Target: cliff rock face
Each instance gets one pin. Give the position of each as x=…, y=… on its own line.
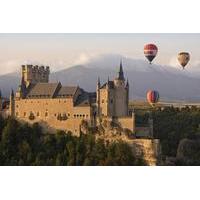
x=147, y=150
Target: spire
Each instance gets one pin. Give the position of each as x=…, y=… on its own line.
x=0, y=94
x=98, y=83
x=98, y=80
x=12, y=93
x=127, y=83
x=108, y=79
x=121, y=73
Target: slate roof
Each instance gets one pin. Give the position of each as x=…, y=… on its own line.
x=66, y=91
x=86, y=98
x=56, y=90
x=109, y=83
x=42, y=90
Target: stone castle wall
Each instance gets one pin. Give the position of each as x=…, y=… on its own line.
x=127, y=123
x=50, y=110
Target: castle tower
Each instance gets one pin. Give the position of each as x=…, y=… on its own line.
x=127, y=92
x=98, y=96
x=1, y=102
x=121, y=94
x=34, y=74
x=21, y=89
x=12, y=104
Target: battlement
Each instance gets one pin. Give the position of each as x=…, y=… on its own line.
x=36, y=68
x=35, y=74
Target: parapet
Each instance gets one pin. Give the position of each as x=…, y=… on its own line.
x=35, y=68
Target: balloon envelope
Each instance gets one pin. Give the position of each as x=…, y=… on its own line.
x=152, y=96
x=183, y=58
x=150, y=51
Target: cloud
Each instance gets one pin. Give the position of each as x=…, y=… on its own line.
x=84, y=58
x=174, y=62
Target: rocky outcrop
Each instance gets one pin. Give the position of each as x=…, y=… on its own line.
x=146, y=150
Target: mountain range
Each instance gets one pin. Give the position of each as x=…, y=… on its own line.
x=172, y=83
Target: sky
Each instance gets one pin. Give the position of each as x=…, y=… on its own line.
x=65, y=50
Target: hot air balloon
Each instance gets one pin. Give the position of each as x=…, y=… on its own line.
x=150, y=51
x=152, y=97
x=183, y=58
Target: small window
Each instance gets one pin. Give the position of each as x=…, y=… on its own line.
x=68, y=114
x=17, y=114
x=46, y=114
x=74, y=116
x=55, y=114
x=38, y=114
x=24, y=114
x=102, y=101
x=111, y=101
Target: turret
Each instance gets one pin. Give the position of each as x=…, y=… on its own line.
x=127, y=84
x=98, y=84
x=107, y=85
x=21, y=89
x=127, y=93
x=121, y=93
x=120, y=80
x=98, y=96
x=12, y=104
x=121, y=73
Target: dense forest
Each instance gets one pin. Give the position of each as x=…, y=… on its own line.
x=179, y=133
x=177, y=129
x=22, y=144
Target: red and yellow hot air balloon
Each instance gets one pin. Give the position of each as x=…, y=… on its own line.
x=150, y=51
x=183, y=58
x=152, y=97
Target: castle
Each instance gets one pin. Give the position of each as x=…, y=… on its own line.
x=66, y=107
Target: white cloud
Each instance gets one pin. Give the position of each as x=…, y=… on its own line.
x=84, y=58
x=174, y=62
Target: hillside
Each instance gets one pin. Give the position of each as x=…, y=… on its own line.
x=172, y=83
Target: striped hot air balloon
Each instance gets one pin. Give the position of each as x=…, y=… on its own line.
x=150, y=51
x=152, y=97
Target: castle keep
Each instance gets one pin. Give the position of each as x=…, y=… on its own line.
x=66, y=107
